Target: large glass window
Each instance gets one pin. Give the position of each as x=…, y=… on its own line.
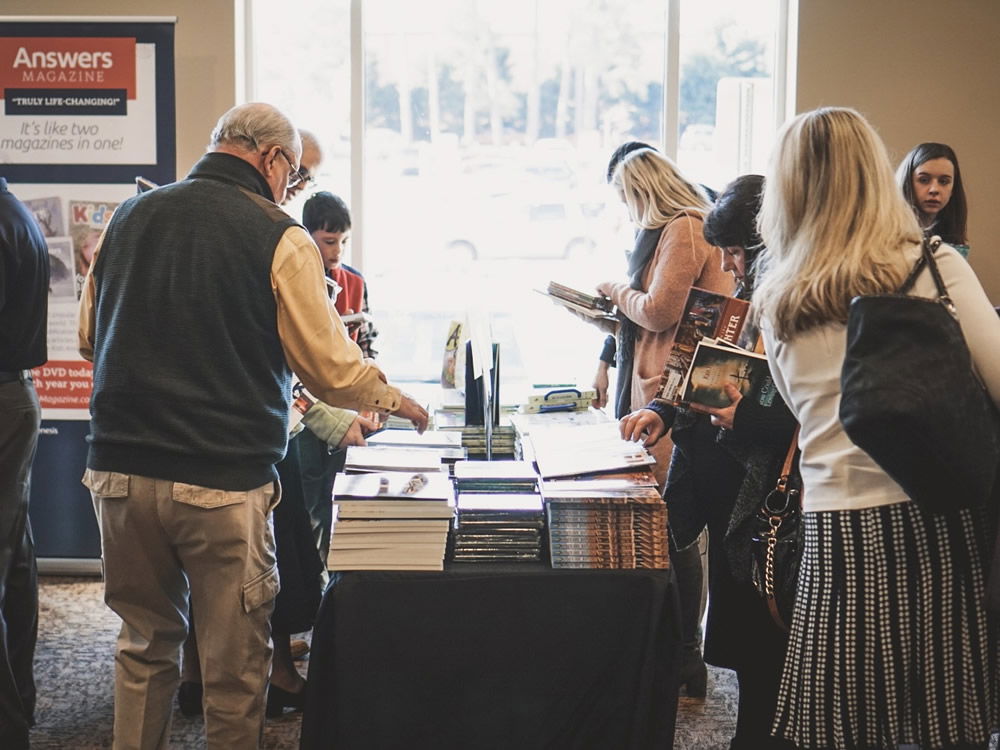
x=487, y=129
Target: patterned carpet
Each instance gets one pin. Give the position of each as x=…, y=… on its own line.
x=74, y=671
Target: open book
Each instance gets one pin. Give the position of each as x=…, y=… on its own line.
x=706, y=315
x=717, y=364
x=594, y=306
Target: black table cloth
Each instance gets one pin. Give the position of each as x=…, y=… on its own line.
x=494, y=656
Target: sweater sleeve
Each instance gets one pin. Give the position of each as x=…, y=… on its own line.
x=609, y=350
x=976, y=315
x=328, y=423
x=316, y=344
x=665, y=410
x=678, y=262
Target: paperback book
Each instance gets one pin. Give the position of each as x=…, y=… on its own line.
x=706, y=315
x=716, y=365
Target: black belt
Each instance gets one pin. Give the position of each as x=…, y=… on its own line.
x=9, y=376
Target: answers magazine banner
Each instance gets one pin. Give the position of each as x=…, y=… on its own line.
x=88, y=105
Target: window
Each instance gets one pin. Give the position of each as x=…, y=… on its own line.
x=486, y=132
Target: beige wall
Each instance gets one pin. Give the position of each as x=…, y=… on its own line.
x=204, y=49
x=920, y=70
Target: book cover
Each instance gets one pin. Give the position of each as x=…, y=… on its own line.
x=389, y=485
x=716, y=365
x=48, y=214
x=706, y=315
x=87, y=220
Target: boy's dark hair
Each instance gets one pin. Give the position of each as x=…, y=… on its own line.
x=621, y=152
x=327, y=212
x=732, y=222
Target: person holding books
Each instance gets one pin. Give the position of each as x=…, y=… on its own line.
x=716, y=481
x=890, y=643
x=931, y=182
x=669, y=257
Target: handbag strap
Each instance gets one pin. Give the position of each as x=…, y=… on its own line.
x=926, y=259
x=786, y=468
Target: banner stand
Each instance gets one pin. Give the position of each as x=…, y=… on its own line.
x=88, y=105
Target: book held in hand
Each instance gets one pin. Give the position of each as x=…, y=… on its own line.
x=706, y=315
x=715, y=365
x=592, y=305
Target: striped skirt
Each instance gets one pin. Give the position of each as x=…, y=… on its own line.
x=889, y=640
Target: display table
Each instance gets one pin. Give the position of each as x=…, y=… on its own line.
x=494, y=656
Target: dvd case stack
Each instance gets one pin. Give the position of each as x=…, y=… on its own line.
x=391, y=521
x=498, y=527
x=501, y=477
x=612, y=523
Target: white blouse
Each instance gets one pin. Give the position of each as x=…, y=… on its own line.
x=836, y=474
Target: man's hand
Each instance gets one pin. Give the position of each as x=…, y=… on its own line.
x=601, y=382
x=725, y=416
x=643, y=426
x=355, y=434
x=410, y=409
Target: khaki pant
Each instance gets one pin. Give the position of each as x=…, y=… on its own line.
x=164, y=542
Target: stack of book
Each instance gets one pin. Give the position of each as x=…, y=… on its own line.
x=592, y=305
x=369, y=458
x=413, y=439
x=498, y=528
x=510, y=477
x=619, y=522
x=391, y=521
x=474, y=441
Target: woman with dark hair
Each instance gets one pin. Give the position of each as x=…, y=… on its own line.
x=717, y=480
x=931, y=181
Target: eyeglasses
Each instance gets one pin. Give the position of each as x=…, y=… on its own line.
x=295, y=176
x=306, y=175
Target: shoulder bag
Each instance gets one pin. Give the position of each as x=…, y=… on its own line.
x=910, y=397
x=776, y=542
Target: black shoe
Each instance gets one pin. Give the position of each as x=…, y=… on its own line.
x=189, y=696
x=693, y=673
x=278, y=700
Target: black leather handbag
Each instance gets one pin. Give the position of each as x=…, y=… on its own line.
x=776, y=542
x=910, y=397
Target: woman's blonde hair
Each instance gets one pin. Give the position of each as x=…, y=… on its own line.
x=655, y=191
x=834, y=222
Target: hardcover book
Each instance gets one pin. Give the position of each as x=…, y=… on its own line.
x=592, y=305
x=706, y=315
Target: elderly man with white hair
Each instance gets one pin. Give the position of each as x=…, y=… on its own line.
x=202, y=298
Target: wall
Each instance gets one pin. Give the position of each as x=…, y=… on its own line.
x=920, y=70
x=205, y=56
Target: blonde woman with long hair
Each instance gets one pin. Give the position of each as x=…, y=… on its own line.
x=669, y=257
x=889, y=640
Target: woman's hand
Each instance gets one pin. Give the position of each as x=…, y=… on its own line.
x=601, y=382
x=725, y=416
x=643, y=426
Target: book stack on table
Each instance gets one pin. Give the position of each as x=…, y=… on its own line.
x=369, y=458
x=614, y=522
x=391, y=521
x=498, y=527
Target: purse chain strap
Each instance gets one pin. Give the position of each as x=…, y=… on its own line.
x=775, y=519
